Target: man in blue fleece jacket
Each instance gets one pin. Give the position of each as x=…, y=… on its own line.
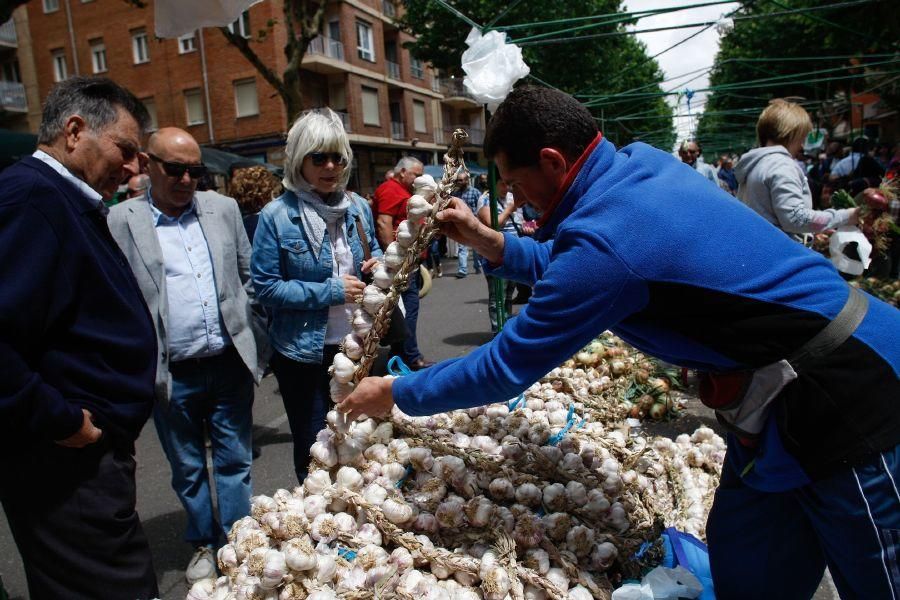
x=626, y=244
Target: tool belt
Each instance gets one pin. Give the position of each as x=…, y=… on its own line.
x=742, y=399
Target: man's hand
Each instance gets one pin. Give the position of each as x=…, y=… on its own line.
x=459, y=223
x=353, y=288
x=373, y=397
x=88, y=434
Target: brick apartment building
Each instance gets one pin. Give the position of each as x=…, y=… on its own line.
x=391, y=103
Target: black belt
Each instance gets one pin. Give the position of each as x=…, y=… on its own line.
x=186, y=363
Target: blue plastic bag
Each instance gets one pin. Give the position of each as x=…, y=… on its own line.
x=689, y=552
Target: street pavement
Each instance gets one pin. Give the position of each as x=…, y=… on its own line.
x=453, y=320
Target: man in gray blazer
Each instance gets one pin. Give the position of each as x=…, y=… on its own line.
x=190, y=255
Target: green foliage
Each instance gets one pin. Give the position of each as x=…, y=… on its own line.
x=760, y=49
x=581, y=67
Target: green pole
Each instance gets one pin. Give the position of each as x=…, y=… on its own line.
x=497, y=284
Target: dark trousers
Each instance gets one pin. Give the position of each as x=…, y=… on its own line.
x=304, y=391
x=411, y=304
x=72, y=514
x=776, y=545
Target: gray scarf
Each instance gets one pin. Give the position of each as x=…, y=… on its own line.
x=316, y=214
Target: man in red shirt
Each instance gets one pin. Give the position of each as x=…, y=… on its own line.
x=390, y=207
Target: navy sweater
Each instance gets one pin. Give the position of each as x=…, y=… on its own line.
x=681, y=270
x=74, y=329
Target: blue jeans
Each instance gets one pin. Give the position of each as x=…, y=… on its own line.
x=304, y=391
x=411, y=303
x=776, y=545
x=464, y=260
x=216, y=392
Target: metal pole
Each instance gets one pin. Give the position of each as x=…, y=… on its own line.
x=209, y=117
x=497, y=284
x=72, y=38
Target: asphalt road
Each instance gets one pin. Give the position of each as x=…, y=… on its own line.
x=453, y=320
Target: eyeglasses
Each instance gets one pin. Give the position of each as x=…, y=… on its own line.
x=320, y=158
x=176, y=169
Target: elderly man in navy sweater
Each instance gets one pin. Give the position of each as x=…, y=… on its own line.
x=802, y=368
x=77, y=352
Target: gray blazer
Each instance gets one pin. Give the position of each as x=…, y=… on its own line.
x=131, y=224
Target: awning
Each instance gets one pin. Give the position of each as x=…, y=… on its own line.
x=223, y=163
x=15, y=144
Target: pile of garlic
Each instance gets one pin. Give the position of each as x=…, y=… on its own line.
x=537, y=498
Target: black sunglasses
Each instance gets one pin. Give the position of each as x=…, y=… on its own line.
x=175, y=169
x=320, y=158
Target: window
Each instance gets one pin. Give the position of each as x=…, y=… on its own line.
x=416, y=68
x=245, y=100
x=370, y=106
x=10, y=71
x=241, y=27
x=98, y=57
x=187, y=43
x=365, y=44
x=60, y=71
x=193, y=103
x=419, y=116
x=51, y=6
x=150, y=105
x=139, y=47
x=334, y=30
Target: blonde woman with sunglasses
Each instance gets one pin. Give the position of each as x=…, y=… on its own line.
x=308, y=265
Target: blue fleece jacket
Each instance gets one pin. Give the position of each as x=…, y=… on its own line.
x=643, y=246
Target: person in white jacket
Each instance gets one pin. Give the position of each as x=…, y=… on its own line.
x=770, y=181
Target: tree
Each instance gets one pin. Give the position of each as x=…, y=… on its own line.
x=587, y=68
x=765, y=57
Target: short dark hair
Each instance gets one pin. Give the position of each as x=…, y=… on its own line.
x=535, y=117
x=95, y=99
x=860, y=145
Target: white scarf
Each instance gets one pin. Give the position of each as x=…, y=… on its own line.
x=316, y=213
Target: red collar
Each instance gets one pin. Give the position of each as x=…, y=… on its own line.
x=567, y=182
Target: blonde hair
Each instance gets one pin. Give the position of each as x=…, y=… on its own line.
x=317, y=130
x=782, y=122
x=253, y=187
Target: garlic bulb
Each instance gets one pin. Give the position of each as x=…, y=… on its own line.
x=417, y=208
x=372, y=299
x=323, y=528
x=425, y=186
x=338, y=391
x=397, y=511
x=394, y=256
x=381, y=277
x=317, y=482
x=352, y=346
x=348, y=478
x=361, y=323
x=406, y=233
x=342, y=369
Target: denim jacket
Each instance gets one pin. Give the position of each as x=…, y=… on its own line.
x=295, y=287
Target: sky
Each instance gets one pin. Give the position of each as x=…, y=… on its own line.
x=698, y=53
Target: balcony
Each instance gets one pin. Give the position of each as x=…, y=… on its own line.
x=398, y=132
x=393, y=70
x=321, y=55
x=417, y=71
x=389, y=9
x=12, y=97
x=345, y=119
x=436, y=84
x=8, y=36
x=456, y=94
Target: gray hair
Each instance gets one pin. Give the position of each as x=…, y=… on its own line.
x=407, y=163
x=94, y=99
x=319, y=130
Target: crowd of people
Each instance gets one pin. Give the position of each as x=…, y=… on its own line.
x=172, y=304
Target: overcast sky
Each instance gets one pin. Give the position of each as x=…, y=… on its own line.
x=697, y=53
